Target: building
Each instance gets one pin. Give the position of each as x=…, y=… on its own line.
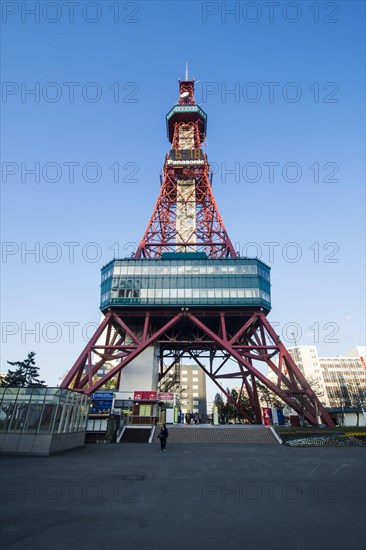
x=338, y=381
x=188, y=382
x=41, y=421
x=306, y=358
x=193, y=390
x=357, y=351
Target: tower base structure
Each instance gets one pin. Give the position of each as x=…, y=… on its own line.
x=226, y=343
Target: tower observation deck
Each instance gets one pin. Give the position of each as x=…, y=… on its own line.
x=186, y=293
x=186, y=279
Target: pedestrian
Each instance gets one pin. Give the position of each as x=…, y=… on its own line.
x=163, y=435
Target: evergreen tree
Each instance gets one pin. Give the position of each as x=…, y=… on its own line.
x=13, y=378
x=218, y=401
x=230, y=409
x=25, y=374
x=243, y=403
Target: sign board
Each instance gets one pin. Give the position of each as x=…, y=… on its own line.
x=169, y=416
x=102, y=404
x=185, y=157
x=281, y=417
x=103, y=395
x=274, y=416
x=123, y=403
x=267, y=421
x=166, y=396
x=145, y=396
x=215, y=418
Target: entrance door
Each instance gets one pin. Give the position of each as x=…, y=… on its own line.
x=145, y=410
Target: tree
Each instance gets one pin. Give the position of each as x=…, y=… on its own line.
x=25, y=375
x=242, y=404
x=228, y=411
x=302, y=399
x=268, y=397
x=356, y=401
x=111, y=384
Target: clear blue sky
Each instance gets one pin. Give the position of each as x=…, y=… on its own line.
x=318, y=59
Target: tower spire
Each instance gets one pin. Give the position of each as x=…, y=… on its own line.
x=185, y=217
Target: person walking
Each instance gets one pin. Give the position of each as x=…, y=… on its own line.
x=163, y=435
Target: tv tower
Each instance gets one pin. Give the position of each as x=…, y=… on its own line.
x=186, y=293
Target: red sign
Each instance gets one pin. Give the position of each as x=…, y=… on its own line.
x=267, y=421
x=166, y=396
x=145, y=396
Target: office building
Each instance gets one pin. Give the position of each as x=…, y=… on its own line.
x=338, y=381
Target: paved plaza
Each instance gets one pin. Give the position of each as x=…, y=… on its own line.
x=195, y=497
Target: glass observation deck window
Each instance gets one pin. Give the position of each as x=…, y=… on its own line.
x=179, y=279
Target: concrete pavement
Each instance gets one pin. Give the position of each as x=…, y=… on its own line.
x=194, y=497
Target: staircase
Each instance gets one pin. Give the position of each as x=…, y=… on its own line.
x=136, y=435
x=219, y=435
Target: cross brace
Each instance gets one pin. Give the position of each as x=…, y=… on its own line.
x=246, y=337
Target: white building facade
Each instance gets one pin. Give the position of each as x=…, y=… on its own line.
x=193, y=390
x=338, y=381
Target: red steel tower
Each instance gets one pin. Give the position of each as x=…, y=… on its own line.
x=186, y=293
x=185, y=216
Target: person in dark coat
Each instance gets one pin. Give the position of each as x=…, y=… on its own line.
x=163, y=435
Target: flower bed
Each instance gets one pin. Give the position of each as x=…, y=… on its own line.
x=359, y=435
x=341, y=440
